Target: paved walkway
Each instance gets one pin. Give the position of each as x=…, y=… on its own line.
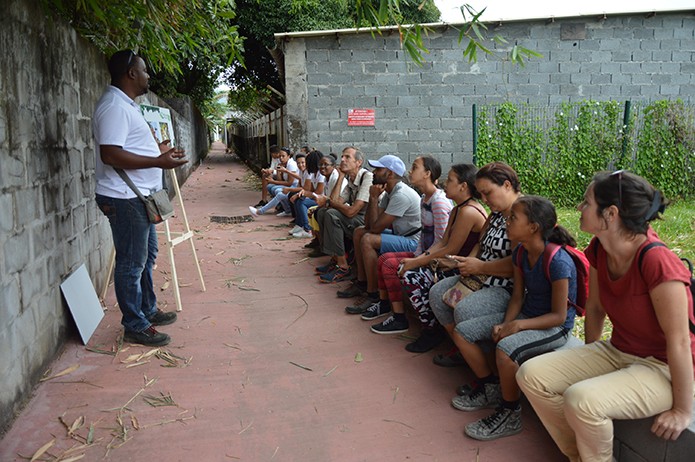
x=268, y=367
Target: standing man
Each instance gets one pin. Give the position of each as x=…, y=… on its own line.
x=123, y=140
x=392, y=224
x=342, y=212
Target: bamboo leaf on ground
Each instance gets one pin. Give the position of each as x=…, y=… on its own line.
x=62, y=373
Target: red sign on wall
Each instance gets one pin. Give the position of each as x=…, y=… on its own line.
x=361, y=117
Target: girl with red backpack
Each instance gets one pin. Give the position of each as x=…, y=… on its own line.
x=538, y=318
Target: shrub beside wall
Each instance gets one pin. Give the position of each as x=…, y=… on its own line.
x=557, y=149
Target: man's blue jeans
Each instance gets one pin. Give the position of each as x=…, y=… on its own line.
x=135, y=239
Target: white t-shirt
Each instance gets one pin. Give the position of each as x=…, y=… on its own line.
x=292, y=167
x=315, y=179
x=118, y=121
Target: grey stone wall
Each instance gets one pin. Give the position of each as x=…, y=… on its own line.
x=428, y=109
x=50, y=80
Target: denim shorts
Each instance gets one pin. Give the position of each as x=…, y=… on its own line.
x=392, y=243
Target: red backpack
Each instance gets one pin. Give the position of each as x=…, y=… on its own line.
x=580, y=262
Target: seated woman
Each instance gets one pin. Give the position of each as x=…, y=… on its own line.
x=462, y=232
x=537, y=319
x=434, y=215
x=288, y=172
x=646, y=368
x=312, y=183
x=499, y=186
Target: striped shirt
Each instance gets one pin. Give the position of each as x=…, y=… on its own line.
x=435, y=217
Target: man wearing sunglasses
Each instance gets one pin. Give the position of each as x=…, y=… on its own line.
x=123, y=140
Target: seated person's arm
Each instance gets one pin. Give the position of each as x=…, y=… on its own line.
x=349, y=211
x=117, y=157
x=595, y=315
x=318, y=189
x=382, y=222
x=670, y=303
x=296, y=175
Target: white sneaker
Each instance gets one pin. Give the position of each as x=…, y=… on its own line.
x=283, y=214
x=294, y=230
x=253, y=210
x=302, y=234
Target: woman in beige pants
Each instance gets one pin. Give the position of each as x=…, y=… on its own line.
x=646, y=368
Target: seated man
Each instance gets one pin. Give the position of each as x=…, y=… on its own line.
x=392, y=224
x=342, y=212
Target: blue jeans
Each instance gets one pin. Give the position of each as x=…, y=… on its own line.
x=278, y=198
x=135, y=240
x=273, y=189
x=302, y=205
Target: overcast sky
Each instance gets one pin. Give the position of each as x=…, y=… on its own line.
x=518, y=9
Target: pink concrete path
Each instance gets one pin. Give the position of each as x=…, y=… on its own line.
x=271, y=368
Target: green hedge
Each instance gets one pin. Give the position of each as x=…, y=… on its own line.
x=556, y=150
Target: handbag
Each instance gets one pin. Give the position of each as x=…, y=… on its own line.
x=465, y=286
x=159, y=207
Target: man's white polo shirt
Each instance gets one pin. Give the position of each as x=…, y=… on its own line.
x=118, y=121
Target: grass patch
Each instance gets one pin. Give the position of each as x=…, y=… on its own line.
x=676, y=229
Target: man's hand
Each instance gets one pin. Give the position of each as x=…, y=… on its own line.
x=375, y=191
x=164, y=146
x=171, y=158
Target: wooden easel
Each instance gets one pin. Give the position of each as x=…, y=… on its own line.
x=173, y=238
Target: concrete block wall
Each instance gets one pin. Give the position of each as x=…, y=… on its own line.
x=50, y=81
x=427, y=110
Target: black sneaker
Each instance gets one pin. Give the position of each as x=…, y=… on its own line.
x=353, y=290
x=148, y=337
x=313, y=244
x=261, y=203
x=374, y=312
x=360, y=306
x=390, y=326
x=451, y=359
x=162, y=318
x=503, y=422
x=429, y=338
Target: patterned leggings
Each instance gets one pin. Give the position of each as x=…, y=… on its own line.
x=417, y=284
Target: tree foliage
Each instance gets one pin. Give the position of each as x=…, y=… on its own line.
x=258, y=20
x=186, y=43
x=189, y=44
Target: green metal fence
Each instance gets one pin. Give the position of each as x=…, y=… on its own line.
x=557, y=149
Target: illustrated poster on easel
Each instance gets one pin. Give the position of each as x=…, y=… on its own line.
x=160, y=122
